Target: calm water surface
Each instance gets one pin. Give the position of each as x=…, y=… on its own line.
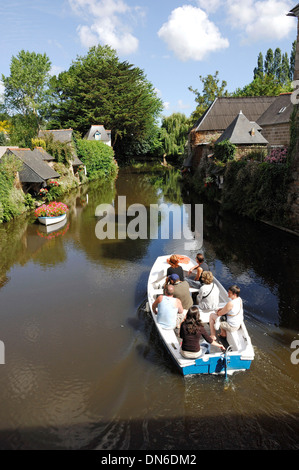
x=84, y=368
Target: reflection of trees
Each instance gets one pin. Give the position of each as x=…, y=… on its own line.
x=170, y=183
x=137, y=188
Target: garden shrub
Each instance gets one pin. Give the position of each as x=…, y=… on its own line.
x=224, y=151
x=11, y=199
x=256, y=190
x=98, y=158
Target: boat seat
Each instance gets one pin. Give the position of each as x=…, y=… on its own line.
x=235, y=339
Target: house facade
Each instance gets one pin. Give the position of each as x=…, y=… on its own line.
x=218, y=117
x=100, y=134
x=275, y=121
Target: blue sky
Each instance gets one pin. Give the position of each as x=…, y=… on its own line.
x=173, y=41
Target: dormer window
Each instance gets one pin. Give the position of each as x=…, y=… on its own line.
x=97, y=135
x=282, y=110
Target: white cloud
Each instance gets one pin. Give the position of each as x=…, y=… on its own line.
x=166, y=105
x=260, y=20
x=182, y=105
x=107, y=24
x=56, y=70
x=209, y=6
x=190, y=34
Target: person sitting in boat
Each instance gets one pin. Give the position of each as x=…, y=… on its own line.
x=191, y=332
x=233, y=311
x=175, y=268
x=208, y=295
x=200, y=268
x=181, y=291
x=167, y=307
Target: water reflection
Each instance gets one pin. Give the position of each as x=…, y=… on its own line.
x=84, y=367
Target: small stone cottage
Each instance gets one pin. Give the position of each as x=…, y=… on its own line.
x=36, y=170
x=218, y=117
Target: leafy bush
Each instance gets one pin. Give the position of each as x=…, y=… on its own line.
x=11, y=199
x=29, y=201
x=224, y=151
x=98, y=158
x=61, y=151
x=257, y=190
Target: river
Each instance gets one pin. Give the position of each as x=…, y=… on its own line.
x=84, y=368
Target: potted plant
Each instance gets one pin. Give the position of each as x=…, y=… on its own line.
x=51, y=213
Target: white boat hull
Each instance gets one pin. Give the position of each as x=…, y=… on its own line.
x=241, y=352
x=51, y=220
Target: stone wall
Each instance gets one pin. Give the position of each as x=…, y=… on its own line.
x=277, y=135
x=203, y=137
x=293, y=193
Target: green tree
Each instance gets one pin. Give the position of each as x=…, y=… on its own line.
x=26, y=86
x=285, y=69
x=263, y=86
x=269, y=63
x=211, y=90
x=174, y=133
x=259, y=70
x=100, y=89
x=292, y=60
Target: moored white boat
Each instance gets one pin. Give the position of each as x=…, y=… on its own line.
x=51, y=220
x=240, y=352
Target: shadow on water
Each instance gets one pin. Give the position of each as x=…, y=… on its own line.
x=201, y=433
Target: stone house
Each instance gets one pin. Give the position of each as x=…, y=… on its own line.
x=245, y=134
x=275, y=121
x=218, y=117
x=100, y=134
x=36, y=170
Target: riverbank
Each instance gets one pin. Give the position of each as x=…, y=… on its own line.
x=258, y=191
x=14, y=201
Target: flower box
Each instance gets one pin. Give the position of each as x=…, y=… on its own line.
x=52, y=213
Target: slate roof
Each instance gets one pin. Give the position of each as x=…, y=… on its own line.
x=100, y=128
x=64, y=136
x=279, y=112
x=43, y=154
x=223, y=111
x=243, y=132
x=35, y=170
x=294, y=11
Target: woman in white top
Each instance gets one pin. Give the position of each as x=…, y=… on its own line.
x=208, y=295
x=233, y=311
